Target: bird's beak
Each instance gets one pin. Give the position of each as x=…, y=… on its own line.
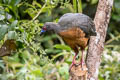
x=42, y=31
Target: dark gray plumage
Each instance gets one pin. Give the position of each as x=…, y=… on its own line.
x=70, y=20
x=78, y=20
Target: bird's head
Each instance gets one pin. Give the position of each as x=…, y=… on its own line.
x=49, y=26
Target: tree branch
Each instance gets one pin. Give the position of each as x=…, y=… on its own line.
x=96, y=44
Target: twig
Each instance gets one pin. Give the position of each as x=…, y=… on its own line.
x=109, y=41
x=63, y=53
x=39, y=12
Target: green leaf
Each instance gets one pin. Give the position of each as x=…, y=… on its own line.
x=11, y=35
x=75, y=5
x=25, y=54
x=1, y=64
x=94, y=1
x=14, y=2
x=38, y=4
x=2, y=17
x=64, y=71
x=8, y=16
x=3, y=31
x=13, y=25
x=79, y=6
x=17, y=2
x=37, y=72
x=64, y=47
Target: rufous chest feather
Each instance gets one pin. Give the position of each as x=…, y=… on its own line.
x=74, y=37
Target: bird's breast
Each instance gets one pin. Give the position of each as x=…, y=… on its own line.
x=72, y=33
x=74, y=36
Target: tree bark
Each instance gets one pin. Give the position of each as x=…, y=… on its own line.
x=96, y=44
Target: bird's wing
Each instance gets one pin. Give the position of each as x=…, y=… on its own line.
x=77, y=20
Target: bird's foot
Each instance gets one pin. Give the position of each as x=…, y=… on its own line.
x=73, y=62
x=82, y=64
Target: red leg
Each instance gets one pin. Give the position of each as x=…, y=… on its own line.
x=73, y=61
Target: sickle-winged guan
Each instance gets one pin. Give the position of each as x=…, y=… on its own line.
x=75, y=29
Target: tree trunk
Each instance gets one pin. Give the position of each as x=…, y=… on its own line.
x=96, y=44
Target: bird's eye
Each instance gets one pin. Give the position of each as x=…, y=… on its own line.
x=48, y=26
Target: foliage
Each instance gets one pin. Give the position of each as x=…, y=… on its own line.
x=47, y=57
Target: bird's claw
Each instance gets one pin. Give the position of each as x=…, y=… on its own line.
x=82, y=63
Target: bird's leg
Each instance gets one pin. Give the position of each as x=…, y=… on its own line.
x=73, y=61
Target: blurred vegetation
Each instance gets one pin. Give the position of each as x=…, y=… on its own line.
x=47, y=57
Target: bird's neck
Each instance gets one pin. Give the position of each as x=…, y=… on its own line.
x=57, y=28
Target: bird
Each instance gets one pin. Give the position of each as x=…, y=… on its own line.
x=75, y=29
